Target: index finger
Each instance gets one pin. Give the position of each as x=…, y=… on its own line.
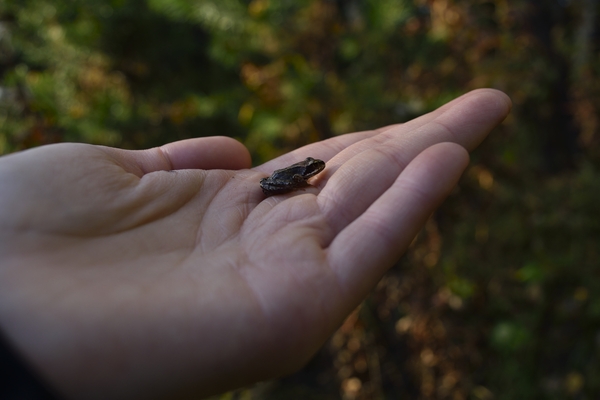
x=357, y=176
x=354, y=142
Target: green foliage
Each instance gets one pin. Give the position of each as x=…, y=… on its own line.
x=497, y=298
x=509, y=336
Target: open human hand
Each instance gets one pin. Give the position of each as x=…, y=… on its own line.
x=167, y=273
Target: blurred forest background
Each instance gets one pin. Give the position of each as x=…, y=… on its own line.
x=499, y=296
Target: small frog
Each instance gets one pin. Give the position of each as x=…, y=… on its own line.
x=291, y=178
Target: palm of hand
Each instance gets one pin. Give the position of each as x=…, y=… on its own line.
x=181, y=266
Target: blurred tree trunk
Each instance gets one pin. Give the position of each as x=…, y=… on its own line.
x=556, y=122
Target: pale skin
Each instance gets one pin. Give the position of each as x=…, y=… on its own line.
x=167, y=273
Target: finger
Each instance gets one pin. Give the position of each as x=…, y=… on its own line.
x=482, y=101
x=465, y=120
x=367, y=247
x=367, y=172
x=482, y=104
x=214, y=152
x=323, y=150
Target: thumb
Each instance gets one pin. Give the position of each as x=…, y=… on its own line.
x=213, y=152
